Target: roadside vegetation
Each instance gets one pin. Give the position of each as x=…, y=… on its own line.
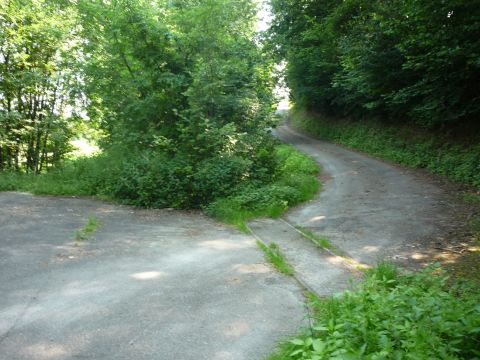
x=437, y=153
x=289, y=177
x=393, y=315
x=294, y=181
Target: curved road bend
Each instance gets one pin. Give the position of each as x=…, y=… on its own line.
x=368, y=208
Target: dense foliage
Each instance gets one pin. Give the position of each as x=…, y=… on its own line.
x=294, y=181
x=185, y=95
x=457, y=160
x=136, y=181
x=400, y=60
x=37, y=83
x=393, y=316
x=180, y=91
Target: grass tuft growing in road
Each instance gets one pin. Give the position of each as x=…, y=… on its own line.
x=88, y=229
x=319, y=240
x=276, y=257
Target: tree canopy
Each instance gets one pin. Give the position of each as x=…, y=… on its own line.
x=402, y=60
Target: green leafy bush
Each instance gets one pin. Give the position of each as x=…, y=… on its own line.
x=402, y=145
x=217, y=176
x=394, y=316
x=294, y=181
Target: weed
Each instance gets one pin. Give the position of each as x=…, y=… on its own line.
x=393, y=315
x=472, y=198
x=92, y=225
x=475, y=224
x=88, y=229
x=80, y=235
x=320, y=241
x=275, y=256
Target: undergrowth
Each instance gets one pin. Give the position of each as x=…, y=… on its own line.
x=393, y=315
x=439, y=155
x=81, y=177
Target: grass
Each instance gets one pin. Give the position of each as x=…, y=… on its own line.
x=439, y=154
x=295, y=182
x=75, y=177
x=276, y=258
x=320, y=241
x=88, y=229
x=471, y=198
x=392, y=315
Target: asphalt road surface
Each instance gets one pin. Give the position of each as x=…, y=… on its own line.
x=370, y=209
x=149, y=284
x=160, y=284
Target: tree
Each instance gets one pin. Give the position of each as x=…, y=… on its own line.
x=401, y=60
x=38, y=43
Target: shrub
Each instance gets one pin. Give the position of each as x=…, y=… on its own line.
x=217, y=176
x=229, y=187
x=294, y=181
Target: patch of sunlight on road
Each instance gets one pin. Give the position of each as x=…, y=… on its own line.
x=316, y=218
x=226, y=244
x=371, y=248
x=46, y=351
x=236, y=329
x=148, y=275
x=251, y=268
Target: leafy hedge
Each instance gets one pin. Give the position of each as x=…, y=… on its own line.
x=393, y=316
x=402, y=145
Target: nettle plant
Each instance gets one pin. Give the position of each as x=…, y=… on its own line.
x=394, y=316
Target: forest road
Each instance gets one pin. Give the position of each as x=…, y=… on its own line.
x=149, y=284
x=368, y=208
